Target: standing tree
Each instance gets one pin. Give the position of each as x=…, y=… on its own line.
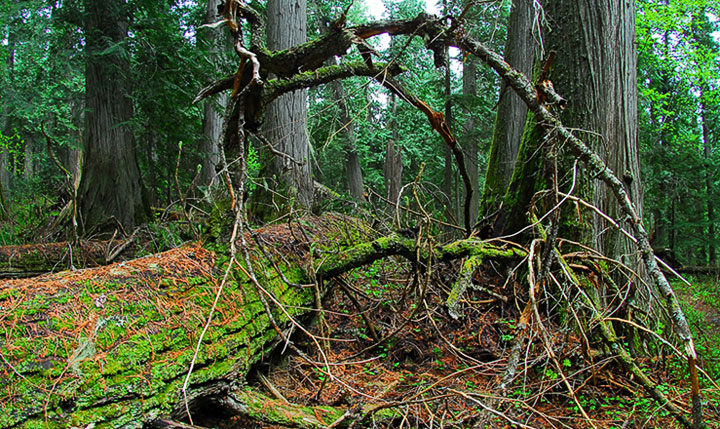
x=511, y=110
x=212, y=118
x=285, y=125
x=601, y=103
x=706, y=60
x=352, y=160
x=469, y=86
x=111, y=191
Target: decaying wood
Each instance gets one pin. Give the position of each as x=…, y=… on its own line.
x=36, y=259
x=112, y=345
x=437, y=34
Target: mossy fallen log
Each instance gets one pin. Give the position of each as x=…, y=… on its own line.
x=111, y=346
x=36, y=259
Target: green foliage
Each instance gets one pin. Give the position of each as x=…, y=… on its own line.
x=679, y=98
x=14, y=146
x=28, y=215
x=701, y=305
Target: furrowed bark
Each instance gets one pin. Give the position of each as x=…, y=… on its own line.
x=599, y=169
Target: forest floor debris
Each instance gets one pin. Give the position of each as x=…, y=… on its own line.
x=441, y=372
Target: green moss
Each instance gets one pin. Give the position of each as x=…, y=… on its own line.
x=137, y=350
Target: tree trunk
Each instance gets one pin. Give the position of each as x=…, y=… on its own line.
x=470, y=143
x=352, y=161
x=511, y=111
x=447, y=153
x=393, y=173
x=111, y=191
x=151, y=156
x=212, y=109
x=111, y=347
x=28, y=160
x=285, y=126
x=5, y=165
x=393, y=167
x=6, y=125
x=712, y=257
x=448, y=169
x=595, y=71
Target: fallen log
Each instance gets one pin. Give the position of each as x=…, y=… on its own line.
x=35, y=259
x=111, y=346
x=699, y=270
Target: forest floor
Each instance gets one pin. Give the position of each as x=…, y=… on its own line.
x=440, y=372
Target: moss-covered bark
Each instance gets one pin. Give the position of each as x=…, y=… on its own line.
x=112, y=346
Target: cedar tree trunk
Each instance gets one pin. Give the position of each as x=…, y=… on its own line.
x=111, y=191
x=285, y=126
x=212, y=116
x=511, y=111
x=595, y=71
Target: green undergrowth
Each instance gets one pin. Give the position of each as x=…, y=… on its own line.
x=27, y=214
x=701, y=304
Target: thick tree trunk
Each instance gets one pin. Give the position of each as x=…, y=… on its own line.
x=286, y=122
x=111, y=191
x=212, y=109
x=470, y=143
x=512, y=111
x=112, y=345
x=595, y=71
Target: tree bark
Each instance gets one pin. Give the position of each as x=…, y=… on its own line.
x=112, y=346
x=470, y=144
x=28, y=159
x=285, y=126
x=212, y=116
x=352, y=161
x=520, y=49
x=393, y=173
x=447, y=152
x=595, y=71
x=111, y=191
x=709, y=194
x=6, y=125
x=393, y=167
